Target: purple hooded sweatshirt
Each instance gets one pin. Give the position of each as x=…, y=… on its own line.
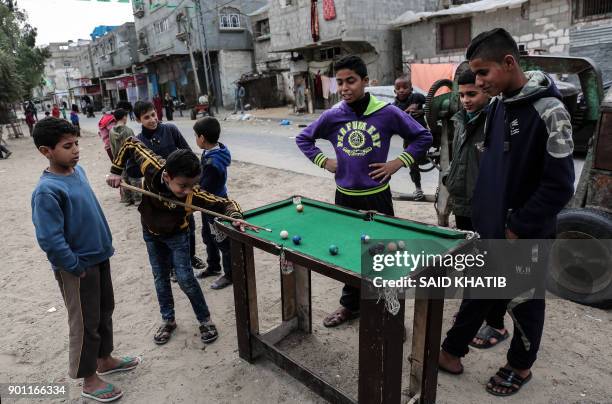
x=362, y=140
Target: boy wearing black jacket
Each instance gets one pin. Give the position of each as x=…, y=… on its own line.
x=526, y=177
x=162, y=139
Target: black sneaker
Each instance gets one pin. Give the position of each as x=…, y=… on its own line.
x=197, y=263
x=206, y=273
x=418, y=195
x=221, y=282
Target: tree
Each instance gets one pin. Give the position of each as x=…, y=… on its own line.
x=21, y=62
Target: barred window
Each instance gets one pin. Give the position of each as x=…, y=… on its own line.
x=586, y=10
x=229, y=17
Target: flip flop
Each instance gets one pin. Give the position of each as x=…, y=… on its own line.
x=97, y=395
x=487, y=332
x=126, y=363
x=509, y=380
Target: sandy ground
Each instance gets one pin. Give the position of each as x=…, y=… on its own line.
x=573, y=366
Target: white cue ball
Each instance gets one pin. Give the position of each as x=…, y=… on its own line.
x=401, y=245
x=284, y=234
x=299, y=207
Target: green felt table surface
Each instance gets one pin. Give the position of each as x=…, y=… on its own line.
x=321, y=224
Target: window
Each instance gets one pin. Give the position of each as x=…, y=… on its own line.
x=262, y=28
x=454, y=35
x=586, y=10
x=67, y=63
x=229, y=18
x=110, y=45
x=329, y=53
x=161, y=26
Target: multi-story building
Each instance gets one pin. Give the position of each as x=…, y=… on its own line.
x=61, y=69
x=272, y=84
x=216, y=32
x=317, y=33
x=555, y=27
x=114, y=57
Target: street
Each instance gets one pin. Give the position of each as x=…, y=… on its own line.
x=266, y=143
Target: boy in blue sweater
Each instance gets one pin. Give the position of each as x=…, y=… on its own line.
x=162, y=139
x=215, y=160
x=526, y=177
x=63, y=206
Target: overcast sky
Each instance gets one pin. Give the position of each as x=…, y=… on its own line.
x=62, y=20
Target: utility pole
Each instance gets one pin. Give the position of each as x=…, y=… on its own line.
x=188, y=43
x=206, y=58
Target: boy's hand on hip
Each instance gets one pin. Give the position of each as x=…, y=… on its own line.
x=113, y=180
x=331, y=165
x=383, y=171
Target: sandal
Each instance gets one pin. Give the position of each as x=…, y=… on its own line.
x=126, y=363
x=340, y=316
x=509, y=380
x=208, y=332
x=97, y=395
x=164, y=332
x=487, y=332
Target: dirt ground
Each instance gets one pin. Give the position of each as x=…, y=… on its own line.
x=574, y=364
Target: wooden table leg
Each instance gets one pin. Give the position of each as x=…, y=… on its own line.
x=303, y=298
x=380, y=353
x=426, y=334
x=288, y=291
x=245, y=298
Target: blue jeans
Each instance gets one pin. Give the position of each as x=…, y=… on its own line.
x=166, y=252
x=215, y=250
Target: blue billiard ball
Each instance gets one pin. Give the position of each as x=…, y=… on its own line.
x=333, y=249
x=365, y=238
x=297, y=240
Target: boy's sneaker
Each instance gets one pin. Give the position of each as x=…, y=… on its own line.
x=8, y=153
x=173, y=275
x=206, y=273
x=221, y=282
x=418, y=195
x=208, y=332
x=197, y=263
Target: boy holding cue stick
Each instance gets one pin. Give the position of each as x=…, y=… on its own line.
x=171, y=193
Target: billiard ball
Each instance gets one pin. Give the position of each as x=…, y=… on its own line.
x=297, y=240
x=365, y=238
x=391, y=247
x=380, y=248
x=284, y=234
x=299, y=207
x=333, y=249
x=401, y=244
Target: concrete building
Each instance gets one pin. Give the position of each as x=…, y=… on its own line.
x=114, y=57
x=556, y=27
x=217, y=26
x=272, y=84
x=61, y=69
x=317, y=35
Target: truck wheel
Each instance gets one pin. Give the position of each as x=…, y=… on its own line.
x=581, y=257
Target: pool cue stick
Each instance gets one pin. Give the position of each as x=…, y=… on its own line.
x=188, y=206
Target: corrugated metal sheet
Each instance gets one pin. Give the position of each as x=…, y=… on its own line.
x=588, y=36
x=482, y=6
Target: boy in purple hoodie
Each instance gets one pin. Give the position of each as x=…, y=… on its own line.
x=360, y=129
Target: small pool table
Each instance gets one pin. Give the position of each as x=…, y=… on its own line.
x=321, y=225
